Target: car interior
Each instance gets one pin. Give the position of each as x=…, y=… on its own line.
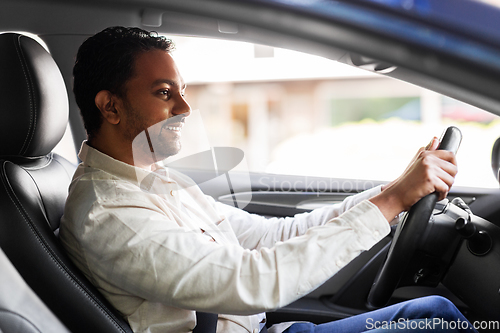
x=35, y=185
x=20, y=308
x=454, y=254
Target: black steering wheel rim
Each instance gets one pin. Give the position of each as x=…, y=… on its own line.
x=408, y=236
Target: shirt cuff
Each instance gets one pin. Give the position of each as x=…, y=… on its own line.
x=367, y=194
x=367, y=219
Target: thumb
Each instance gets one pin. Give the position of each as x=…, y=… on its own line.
x=433, y=145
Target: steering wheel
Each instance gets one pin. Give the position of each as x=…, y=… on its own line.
x=408, y=235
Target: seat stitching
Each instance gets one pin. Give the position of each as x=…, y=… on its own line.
x=29, y=83
x=60, y=264
x=54, y=256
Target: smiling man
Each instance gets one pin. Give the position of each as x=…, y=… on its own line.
x=155, y=96
x=159, y=253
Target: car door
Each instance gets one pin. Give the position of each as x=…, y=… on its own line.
x=316, y=140
x=304, y=141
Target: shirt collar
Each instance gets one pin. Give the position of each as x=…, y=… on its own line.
x=93, y=158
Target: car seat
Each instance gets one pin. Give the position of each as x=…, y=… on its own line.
x=34, y=186
x=21, y=311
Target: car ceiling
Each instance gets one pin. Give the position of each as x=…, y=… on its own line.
x=63, y=25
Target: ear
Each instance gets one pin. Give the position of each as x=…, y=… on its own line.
x=105, y=102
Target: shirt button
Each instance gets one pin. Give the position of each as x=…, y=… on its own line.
x=256, y=330
x=172, y=192
x=339, y=263
x=376, y=233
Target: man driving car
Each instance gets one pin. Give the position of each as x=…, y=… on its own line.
x=162, y=250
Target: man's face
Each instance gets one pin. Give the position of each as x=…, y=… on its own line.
x=155, y=107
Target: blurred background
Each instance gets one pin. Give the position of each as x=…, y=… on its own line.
x=298, y=114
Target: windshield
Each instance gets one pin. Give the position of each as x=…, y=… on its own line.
x=298, y=114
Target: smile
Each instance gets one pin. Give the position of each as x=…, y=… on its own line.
x=174, y=128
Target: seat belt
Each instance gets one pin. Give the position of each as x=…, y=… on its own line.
x=205, y=322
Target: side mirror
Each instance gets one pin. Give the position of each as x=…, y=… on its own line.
x=495, y=158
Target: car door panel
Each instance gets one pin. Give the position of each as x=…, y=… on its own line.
x=345, y=293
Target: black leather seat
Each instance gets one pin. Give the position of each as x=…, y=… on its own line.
x=34, y=185
x=21, y=311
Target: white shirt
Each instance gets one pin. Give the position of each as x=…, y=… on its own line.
x=158, y=255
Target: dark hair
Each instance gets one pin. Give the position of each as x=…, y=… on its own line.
x=105, y=61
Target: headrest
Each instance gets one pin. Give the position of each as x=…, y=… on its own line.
x=33, y=98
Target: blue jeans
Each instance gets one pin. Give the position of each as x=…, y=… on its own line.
x=427, y=314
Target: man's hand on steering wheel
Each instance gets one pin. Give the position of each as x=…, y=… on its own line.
x=427, y=179
x=430, y=171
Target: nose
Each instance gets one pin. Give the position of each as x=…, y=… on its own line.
x=181, y=106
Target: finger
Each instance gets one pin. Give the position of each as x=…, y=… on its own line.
x=437, y=179
x=447, y=167
x=443, y=155
x=442, y=195
x=415, y=158
x=417, y=155
x=433, y=145
x=429, y=145
x=444, y=170
x=441, y=188
x=439, y=174
x=445, y=177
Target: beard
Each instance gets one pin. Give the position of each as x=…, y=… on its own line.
x=152, y=143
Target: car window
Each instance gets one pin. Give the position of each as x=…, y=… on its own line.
x=298, y=114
